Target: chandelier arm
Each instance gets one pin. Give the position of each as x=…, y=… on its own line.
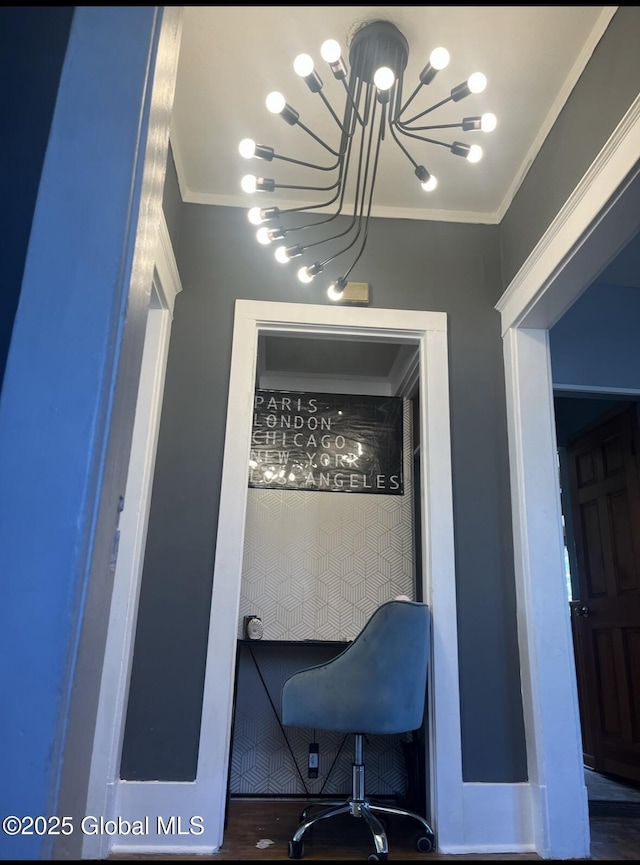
x=358, y=209
x=353, y=101
x=304, y=207
x=404, y=127
x=310, y=188
x=401, y=145
x=339, y=194
x=423, y=138
x=344, y=169
x=317, y=138
x=293, y=161
x=373, y=183
x=331, y=111
x=404, y=107
x=314, y=224
x=336, y=214
x=426, y=110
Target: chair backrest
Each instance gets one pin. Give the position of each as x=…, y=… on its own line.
x=376, y=685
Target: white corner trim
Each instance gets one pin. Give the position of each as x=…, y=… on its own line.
x=175, y=820
x=497, y=820
x=167, y=283
x=590, y=197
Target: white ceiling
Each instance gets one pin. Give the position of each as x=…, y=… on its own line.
x=231, y=57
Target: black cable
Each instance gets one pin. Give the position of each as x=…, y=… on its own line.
x=275, y=712
x=335, y=759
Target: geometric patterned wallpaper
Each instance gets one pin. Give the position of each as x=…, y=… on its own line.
x=316, y=565
x=269, y=760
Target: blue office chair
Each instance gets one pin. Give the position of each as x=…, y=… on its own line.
x=377, y=685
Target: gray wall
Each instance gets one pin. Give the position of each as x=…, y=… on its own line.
x=606, y=89
x=459, y=269
x=410, y=265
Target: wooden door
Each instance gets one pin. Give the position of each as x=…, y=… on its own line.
x=605, y=501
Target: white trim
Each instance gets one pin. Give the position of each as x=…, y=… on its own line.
x=379, y=211
x=545, y=287
x=430, y=334
x=167, y=282
x=114, y=689
x=597, y=220
x=497, y=819
x=547, y=669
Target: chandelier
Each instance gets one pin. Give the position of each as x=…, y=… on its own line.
x=374, y=108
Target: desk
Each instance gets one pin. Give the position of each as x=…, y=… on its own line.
x=269, y=760
x=266, y=758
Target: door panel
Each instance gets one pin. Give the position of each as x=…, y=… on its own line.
x=605, y=500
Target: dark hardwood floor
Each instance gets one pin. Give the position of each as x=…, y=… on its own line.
x=254, y=822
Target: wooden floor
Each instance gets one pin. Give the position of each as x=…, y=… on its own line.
x=255, y=822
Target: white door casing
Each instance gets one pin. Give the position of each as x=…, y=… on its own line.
x=429, y=332
x=598, y=219
x=114, y=689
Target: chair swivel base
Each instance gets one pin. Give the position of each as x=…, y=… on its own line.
x=359, y=806
x=367, y=810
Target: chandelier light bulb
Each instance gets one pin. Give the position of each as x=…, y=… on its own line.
x=427, y=181
x=336, y=289
x=254, y=216
x=477, y=82
x=263, y=236
x=275, y=102
x=384, y=78
x=330, y=51
x=304, y=275
x=475, y=153
x=488, y=122
x=249, y=183
x=439, y=58
x=303, y=65
x=247, y=148
x=281, y=255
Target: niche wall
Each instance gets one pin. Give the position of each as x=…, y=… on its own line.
x=316, y=566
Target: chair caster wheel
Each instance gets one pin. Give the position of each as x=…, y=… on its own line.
x=377, y=857
x=296, y=849
x=424, y=844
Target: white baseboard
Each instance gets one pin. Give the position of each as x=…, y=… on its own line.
x=497, y=819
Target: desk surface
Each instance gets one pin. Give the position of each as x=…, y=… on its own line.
x=296, y=643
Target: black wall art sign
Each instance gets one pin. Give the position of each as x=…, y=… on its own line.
x=327, y=442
